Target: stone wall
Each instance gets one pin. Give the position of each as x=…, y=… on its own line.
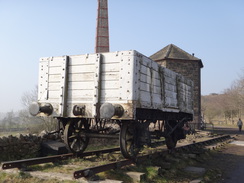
x=23, y=146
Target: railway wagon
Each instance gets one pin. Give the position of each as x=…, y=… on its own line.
x=88, y=93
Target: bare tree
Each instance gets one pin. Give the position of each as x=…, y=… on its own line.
x=29, y=97
x=229, y=105
x=8, y=121
x=212, y=107
x=236, y=95
x=35, y=123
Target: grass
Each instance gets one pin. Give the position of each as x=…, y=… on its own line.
x=22, y=177
x=150, y=167
x=6, y=134
x=116, y=175
x=71, y=165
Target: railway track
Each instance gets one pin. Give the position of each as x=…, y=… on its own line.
x=23, y=164
x=93, y=170
x=87, y=172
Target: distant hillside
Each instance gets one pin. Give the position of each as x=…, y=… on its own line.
x=225, y=108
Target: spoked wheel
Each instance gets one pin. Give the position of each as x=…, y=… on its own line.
x=74, y=136
x=128, y=140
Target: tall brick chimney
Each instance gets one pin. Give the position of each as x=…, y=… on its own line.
x=102, y=32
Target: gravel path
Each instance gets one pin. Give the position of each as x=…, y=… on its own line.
x=231, y=158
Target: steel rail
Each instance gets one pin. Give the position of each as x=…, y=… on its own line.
x=93, y=170
x=50, y=159
x=97, y=169
x=34, y=161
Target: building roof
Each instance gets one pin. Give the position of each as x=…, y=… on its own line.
x=172, y=52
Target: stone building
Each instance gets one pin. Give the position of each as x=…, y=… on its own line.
x=176, y=59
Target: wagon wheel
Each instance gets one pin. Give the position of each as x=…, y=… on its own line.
x=128, y=145
x=171, y=139
x=74, y=136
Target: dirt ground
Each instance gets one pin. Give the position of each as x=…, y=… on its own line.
x=230, y=159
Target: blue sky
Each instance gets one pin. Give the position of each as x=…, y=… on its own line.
x=211, y=29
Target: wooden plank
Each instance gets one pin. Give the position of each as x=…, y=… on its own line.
x=54, y=77
x=82, y=69
x=106, y=84
x=55, y=61
x=54, y=95
x=110, y=93
x=111, y=67
x=145, y=87
x=55, y=70
x=85, y=85
x=79, y=77
x=111, y=76
x=84, y=60
x=80, y=94
x=54, y=86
